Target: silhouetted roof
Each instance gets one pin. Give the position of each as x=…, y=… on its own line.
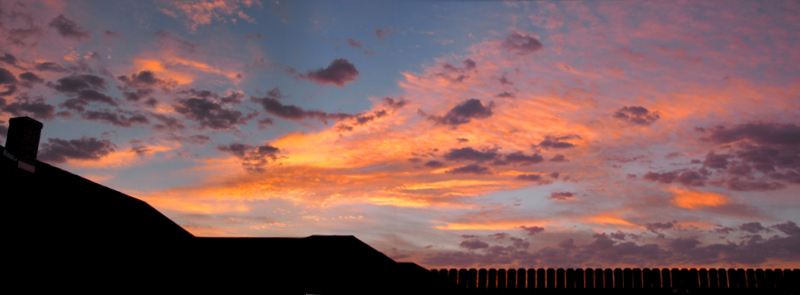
x=68, y=228
x=77, y=206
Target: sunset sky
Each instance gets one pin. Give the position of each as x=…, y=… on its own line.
x=447, y=133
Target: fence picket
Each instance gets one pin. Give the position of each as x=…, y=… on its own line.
x=511, y=279
x=666, y=279
x=540, y=279
x=589, y=278
x=501, y=279
x=482, y=279
x=472, y=278
x=713, y=280
x=462, y=278
x=761, y=279
x=492, y=279
x=570, y=278
x=452, y=278
x=531, y=280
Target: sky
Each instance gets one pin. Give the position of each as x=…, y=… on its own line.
x=446, y=133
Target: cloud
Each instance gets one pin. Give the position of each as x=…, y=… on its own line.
x=69, y=28
x=186, y=45
x=471, y=168
x=203, y=12
x=254, y=158
x=394, y=103
x=561, y=196
x=688, y=178
x=28, y=79
x=691, y=178
x=23, y=105
x=538, y=178
x=505, y=94
x=383, y=33
x=9, y=58
x=789, y=228
x=144, y=79
x=136, y=95
x=521, y=44
x=520, y=158
x=532, y=230
x=115, y=118
x=559, y=158
x=58, y=150
x=434, y=164
x=272, y=105
x=724, y=230
x=656, y=226
x=610, y=249
x=210, y=114
x=716, y=161
x=112, y=34
x=553, y=142
x=49, y=66
x=636, y=115
x=769, y=148
x=473, y=244
x=7, y=78
x=354, y=43
x=684, y=244
x=738, y=184
x=76, y=83
x=464, y=113
x=567, y=244
x=468, y=63
x=752, y=227
x=340, y=71
x=470, y=154
x=761, y=133
x=84, y=98
x=167, y=123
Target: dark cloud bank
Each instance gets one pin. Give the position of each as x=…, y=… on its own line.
x=340, y=71
x=254, y=158
x=463, y=113
x=759, y=157
x=613, y=249
x=58, y=150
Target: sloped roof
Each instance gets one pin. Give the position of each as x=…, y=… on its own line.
x=75, y=206
x=64, y=224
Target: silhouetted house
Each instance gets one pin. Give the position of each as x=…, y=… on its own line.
x=65, y=232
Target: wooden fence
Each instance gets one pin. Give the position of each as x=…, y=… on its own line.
x=588, y=281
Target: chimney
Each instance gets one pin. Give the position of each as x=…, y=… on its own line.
x=22, y=141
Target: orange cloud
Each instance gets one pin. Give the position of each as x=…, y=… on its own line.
x=180, y=70
x=492, y=225
x=694, y=200
x=124, y=157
